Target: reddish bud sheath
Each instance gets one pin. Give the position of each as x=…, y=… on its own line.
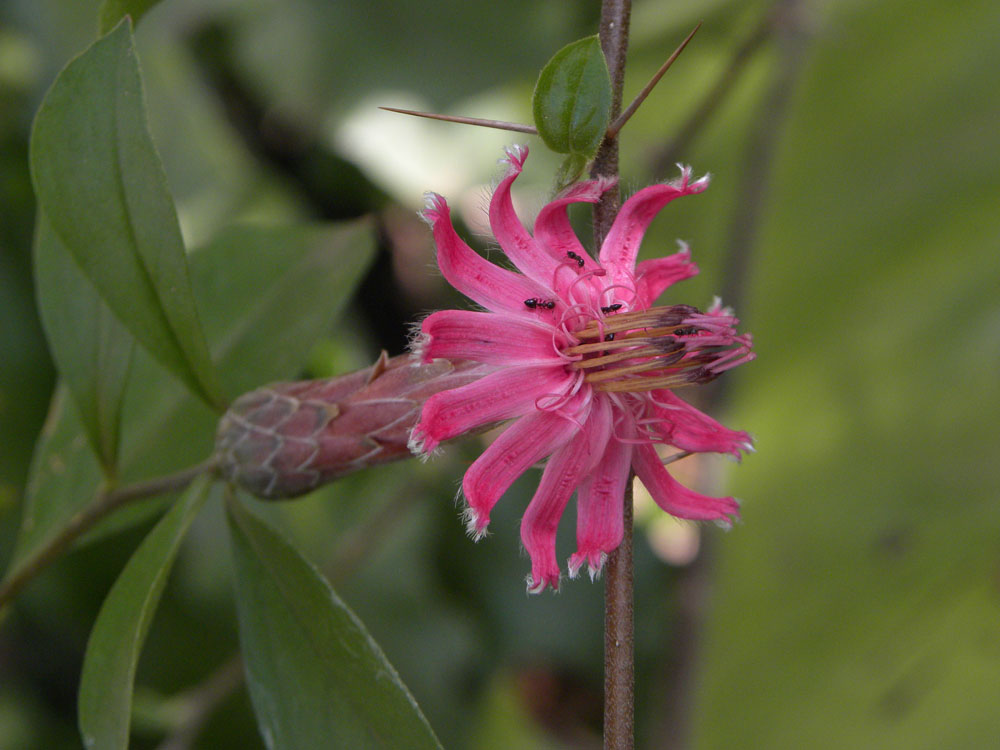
x=286, y=439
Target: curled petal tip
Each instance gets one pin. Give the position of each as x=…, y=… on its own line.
x=434, y=200
x=596, y=568
x=420, y=345
x=594, y=560
x=515, y=156
x=475, y=525
x=421, y=445
x=717, y=308
x=727, y=523
x=685, y=180
x=543, y=583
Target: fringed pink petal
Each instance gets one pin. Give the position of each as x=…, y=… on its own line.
x=553, y=230
x=515, y=240
x=599, y=509
x=491, y=286
x=507, y=393
x=655, y=275
x=561, y=477
x=675, y=498
x=554, y=233
x=687, y=428
x=490, y=338
x=526, y=442
x=621, y=246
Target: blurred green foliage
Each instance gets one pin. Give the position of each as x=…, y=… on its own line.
x=856, y=166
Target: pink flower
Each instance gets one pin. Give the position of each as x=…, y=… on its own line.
x=573, y=352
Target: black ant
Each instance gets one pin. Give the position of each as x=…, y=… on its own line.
x=577, y=258
x=612, y=308
x=532, y=303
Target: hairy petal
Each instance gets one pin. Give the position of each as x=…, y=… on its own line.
x=490, y=338
x=552, y=228
x=515, y=240
x=687, y=428
x=554, y=233
x=526, y=442
x=507, y=393
x=599, y=509
x=621, y=246
x=654, y=275
x=489, y=285
x=675, y=498
x=562, y=474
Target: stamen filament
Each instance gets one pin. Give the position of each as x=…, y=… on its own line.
x=632, y=353
x=620, y=372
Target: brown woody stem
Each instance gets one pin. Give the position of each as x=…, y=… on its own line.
x=619, y=630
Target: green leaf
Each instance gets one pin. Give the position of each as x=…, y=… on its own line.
x=105, y=700
x=63, y=479
x=316, y=677
x=112, y=11
x=569, y=171
x=102, y=188
x=91, y=348
x=572, y=100
x=267, y=294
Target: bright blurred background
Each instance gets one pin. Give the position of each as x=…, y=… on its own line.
x=853, y=220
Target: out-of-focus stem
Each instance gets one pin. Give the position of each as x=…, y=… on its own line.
x=715, y=96
x=674, y=723
x=104, y=504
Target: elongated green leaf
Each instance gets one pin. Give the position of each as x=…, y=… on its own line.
x=316, y=678
x=64, y=478
x=102, y=188
x=91, y=348
x=572, y=100
x=105, y=700
x=112, y=11
x=267, y=294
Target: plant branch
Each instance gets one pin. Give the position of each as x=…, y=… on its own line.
x=715, y=96
x=630, y=110
x=105, y=503
x=498, y=124
x=619, y=636
x=619, y=669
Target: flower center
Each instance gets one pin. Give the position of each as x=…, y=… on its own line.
x=662, y=347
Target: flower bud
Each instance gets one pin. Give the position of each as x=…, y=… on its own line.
x=286, y=439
